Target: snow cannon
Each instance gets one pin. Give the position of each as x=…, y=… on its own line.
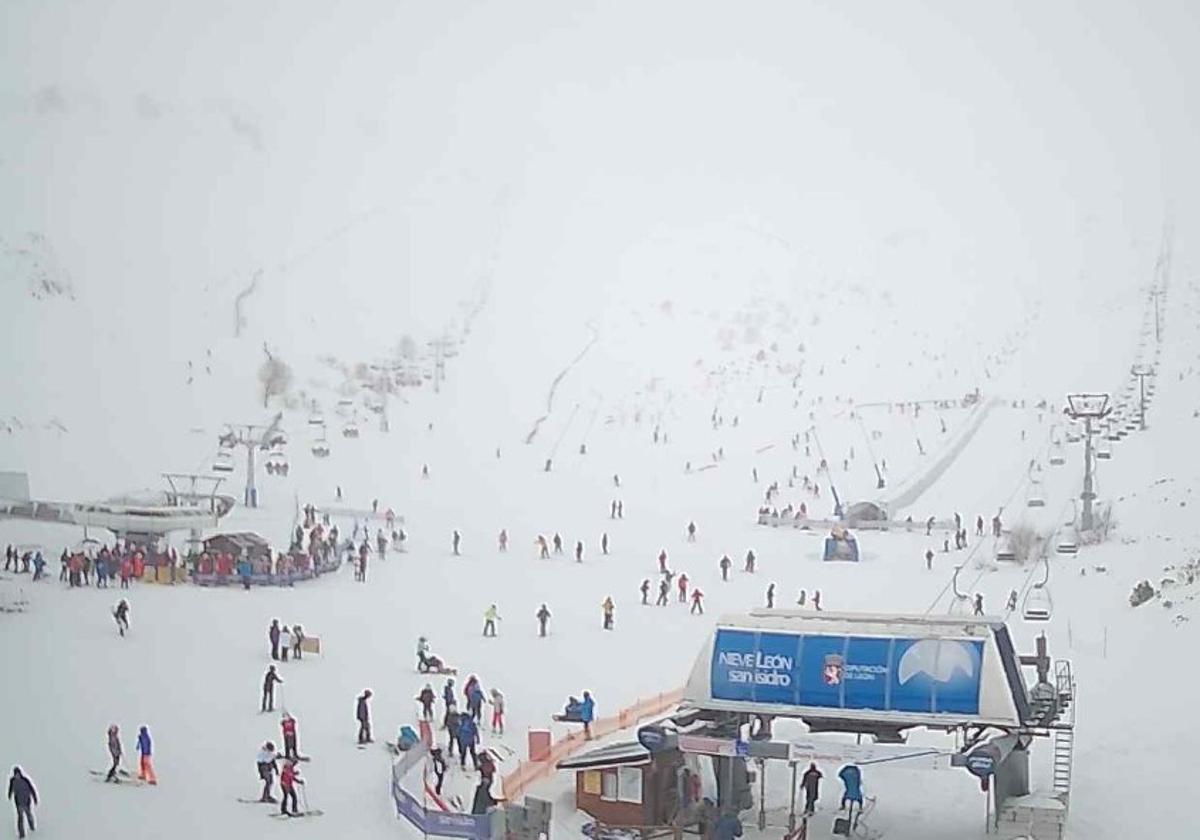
x=841, y=545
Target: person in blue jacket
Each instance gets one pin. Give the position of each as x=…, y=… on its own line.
x=851, y=777
x=244, y=569
x=728, y=827
x=468, y=736
x=587, y=712
x=448, y=693
x=475, y=703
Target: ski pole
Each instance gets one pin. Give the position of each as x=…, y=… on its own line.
x=304, y=796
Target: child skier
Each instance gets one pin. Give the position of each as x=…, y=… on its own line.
x=145, y=766
x=121, y=615
x=497, y=702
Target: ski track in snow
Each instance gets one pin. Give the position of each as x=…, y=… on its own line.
x=562, y=374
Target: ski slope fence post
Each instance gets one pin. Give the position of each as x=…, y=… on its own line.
x=529, y=772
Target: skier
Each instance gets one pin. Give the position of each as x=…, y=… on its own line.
x=682, y=585
x=475, y=702
x=468, y=737
x=114, y=750
x=490, y=616
x=450, y=723
x=725, y=564
x=145, y=765
x=750, y=561
x=363, y=714
x=816, y=600
x=285, y=642
x=929, y=558
x=811, y=784
x=697, y=606
x=268, y=689
x=543, y=549
x=604, y=543
x=426, y=699
x=771, y=596
x=996, y=525
x=662, y=561
x=456, y=540
x=497, y=701
x=612, y=509
x=557, y=544
x=645, y=589
x=608, y=606
x=620, y=510
x=803, y=597
x=288, y=725
x=978, y=603
x=24, y=797
x=979, y=526
x=587, y=713
x=663, y=589
x=503, y=540
x=543, y=615
x=929, y=526
x=297, y=641
x=287, y=783
x=439, y=768
x=267, y=768
x=1012, y=600
x=691, y=532
x=121, y=614
x=448, y=693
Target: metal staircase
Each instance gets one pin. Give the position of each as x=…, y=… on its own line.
x=1064, y=733
x=1064, y=747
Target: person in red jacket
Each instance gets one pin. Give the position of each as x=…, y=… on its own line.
x=288, y=779
x=126, y=572
x=697, y=607
x=682, y=584
x=288, y=724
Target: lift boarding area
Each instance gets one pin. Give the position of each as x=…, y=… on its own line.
x=877, y=678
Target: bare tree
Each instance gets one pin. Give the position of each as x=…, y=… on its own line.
x=275, y=376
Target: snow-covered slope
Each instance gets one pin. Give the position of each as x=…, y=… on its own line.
x=631, y=221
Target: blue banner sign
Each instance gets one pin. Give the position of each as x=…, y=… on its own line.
x=924, y=676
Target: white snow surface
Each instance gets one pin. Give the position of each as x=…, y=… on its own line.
x=678, y=197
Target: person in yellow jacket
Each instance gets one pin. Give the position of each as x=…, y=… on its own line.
x=490, y=617
x=608, y=607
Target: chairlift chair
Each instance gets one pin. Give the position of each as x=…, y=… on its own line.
x=1038, y=605
x=223, y=463
x=316, y=418
x=1068, y=542
x=345, y=407
x=350, y=430
x=1104, y=453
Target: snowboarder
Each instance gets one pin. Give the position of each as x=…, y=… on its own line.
x=543, y=615
x=24, y=797
x=503, y=540
x=725, y=564
x=663, y=589
x=579, y=551
x=691, y=532
x=468, y=737
x=145, y=765
x=682, y=584
x=929, y=558
x=978, y=603
x=363, y=714
x=697, y=606
x=268, y=689
x=287, y=783
x=266, y=760
x=608, y=607
x=490, y=616
x=587, y=713
x=288, y=725
x=771, y=596
x=645, y=590
x=285, y=642
x=456, y=540
x=426, y=699
x=497, y=701
x=114, y=751
x=121, y=614
x=750, y=561
x=811, y=782
x=604, y=543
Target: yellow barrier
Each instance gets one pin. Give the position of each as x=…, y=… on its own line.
x=528, y=772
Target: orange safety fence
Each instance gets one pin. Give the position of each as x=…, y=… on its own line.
x=528, y=772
